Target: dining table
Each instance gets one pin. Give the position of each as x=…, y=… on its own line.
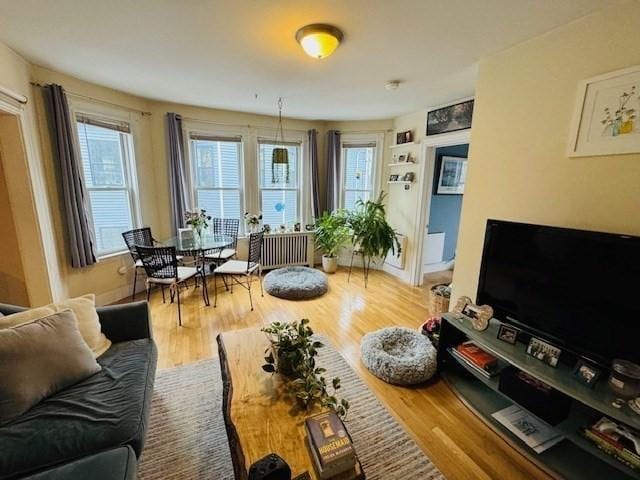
x=197, y=246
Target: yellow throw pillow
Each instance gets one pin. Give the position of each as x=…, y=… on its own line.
x=83, y=307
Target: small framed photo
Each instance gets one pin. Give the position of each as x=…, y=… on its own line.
x=403, y=158
x=587, y=373
x=409, y=177
x=394, y=178
x=543, y=351
x=507, y=334
x=404, y=137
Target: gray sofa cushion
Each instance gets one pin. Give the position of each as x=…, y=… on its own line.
x=116, y=464
x=107, y=410
x=39, y=358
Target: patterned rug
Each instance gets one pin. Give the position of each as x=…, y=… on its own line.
x=187, y=440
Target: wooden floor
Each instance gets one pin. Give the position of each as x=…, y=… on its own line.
x=456, y=441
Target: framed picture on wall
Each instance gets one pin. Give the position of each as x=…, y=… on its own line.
x=453, y=173
x=450, y=118
x=606, y=119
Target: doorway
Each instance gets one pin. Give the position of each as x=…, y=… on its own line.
x=445, y=205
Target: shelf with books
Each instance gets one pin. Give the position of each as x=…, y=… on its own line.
x=566, y=459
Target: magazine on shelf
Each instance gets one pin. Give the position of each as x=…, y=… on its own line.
x=534, y=432
x=485, y=373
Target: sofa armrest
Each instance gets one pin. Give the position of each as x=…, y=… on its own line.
x=129, y=321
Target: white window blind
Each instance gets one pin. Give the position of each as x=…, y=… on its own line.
x=357, y=173
x=107, y=163
x=280, y=201
x=217, y=175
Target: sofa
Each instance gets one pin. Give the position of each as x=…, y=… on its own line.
x=97, y=425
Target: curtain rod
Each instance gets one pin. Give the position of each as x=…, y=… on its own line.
x=238, y=125
x=13, y=95
x=105, y=102
x=388, y=130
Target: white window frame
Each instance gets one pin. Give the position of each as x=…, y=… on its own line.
x=350, y=139
x=304, y=194
x=129, y=163
x=190, y=166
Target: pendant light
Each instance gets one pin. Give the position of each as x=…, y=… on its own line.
x=280, y=155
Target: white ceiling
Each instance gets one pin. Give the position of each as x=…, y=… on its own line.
x=221, y=53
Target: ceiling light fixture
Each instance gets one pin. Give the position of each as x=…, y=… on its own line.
x=319, y=40
x=392, y=85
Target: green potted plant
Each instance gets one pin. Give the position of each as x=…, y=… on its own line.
x=331, y=234
x=293, y=354
x=372, y=235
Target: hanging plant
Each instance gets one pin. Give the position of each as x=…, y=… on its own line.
x=280, y=154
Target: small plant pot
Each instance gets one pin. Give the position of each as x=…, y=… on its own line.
x=329, y=264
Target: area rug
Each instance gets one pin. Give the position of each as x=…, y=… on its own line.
x=187, y=439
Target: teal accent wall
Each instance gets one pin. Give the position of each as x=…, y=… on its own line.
x=444, y=215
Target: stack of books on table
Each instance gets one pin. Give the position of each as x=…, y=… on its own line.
x=616, y=440
x=477, y=359
x=331, y=448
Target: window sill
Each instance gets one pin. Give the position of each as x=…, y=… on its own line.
x=109, y=256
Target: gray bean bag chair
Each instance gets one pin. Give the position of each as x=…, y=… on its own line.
x=399, y=355
x=295, y=283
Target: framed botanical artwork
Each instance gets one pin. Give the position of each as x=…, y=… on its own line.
x=453, y=173
x=450, y=118
x=606, y=120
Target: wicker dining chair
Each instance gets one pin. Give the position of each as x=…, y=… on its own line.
x=236, y=269
x=161, y=267
x=230, y=228
x=137, y=236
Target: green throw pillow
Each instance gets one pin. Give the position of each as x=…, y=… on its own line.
x=39, y=358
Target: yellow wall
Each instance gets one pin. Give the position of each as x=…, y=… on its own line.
x=518, y=168
x=13, y=287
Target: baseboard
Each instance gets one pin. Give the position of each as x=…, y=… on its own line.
x=119, y=293
x=437, y=267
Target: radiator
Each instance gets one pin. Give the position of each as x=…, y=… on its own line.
x=287, y=249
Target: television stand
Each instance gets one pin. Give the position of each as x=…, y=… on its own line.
x=573, y=458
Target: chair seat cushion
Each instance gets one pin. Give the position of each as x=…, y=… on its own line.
x=235, y=267
x=107, y=410
x=295, y=283
x=184, y=273
x=115, y=464
x=399, y=355
x=225, y=254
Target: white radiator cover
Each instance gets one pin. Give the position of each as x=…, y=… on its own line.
x=287, y=249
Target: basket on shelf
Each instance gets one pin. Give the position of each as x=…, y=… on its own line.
x=439, y=302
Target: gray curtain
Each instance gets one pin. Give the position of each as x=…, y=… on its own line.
x=333, y=170
x=177, y=175
x=81, y=237
x=315, y=174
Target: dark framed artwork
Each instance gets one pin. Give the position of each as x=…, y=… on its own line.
x=450, y=119
x=452, y=176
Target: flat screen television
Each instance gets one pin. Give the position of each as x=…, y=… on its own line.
x=577, y=289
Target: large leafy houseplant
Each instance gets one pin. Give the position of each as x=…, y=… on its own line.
x=331, y=234
x=372, y=235
x=293, y=354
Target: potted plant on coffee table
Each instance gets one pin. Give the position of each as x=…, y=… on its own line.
x=331, y=234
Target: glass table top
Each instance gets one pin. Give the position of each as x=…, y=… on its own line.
x=190, y=242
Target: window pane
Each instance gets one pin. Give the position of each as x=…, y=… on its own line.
x=217, y=163
x=358, y=168
x=111, y=216
x=267, y=170
x=279, y=206
x=351, y=197
x=220, y=203
x=101, y=152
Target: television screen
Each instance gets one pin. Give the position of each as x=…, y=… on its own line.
x=577, y=289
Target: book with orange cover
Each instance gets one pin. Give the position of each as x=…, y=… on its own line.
x=476, y=355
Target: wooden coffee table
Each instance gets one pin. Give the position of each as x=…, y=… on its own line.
x=259, y=417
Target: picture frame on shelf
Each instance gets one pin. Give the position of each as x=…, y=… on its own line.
x=508, y=334
x=402, y=158
x=394, y=177
x=450, y=118
x=543, y=351
x=587, y=373
x=605, y=120
x=409, y=177
x=452, y=176
x=404, y=137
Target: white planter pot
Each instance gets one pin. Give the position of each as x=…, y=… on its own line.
x=329, y=264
